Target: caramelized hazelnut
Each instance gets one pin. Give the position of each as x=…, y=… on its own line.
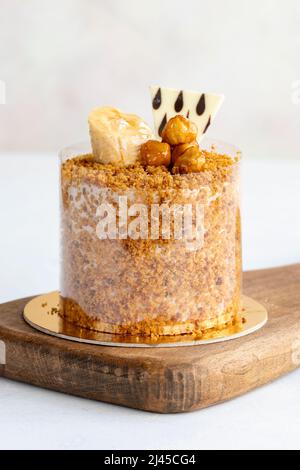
x=191, y=161
x=179, y=150
x=156, y=153
x=179, y=130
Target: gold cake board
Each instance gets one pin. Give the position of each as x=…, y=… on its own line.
x=42, y=313
x=165, y=380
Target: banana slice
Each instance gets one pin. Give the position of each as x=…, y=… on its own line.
x=116, y=137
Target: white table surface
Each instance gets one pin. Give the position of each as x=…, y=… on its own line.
x=32, y=418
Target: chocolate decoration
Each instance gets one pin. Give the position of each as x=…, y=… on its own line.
x=207, y=125
x=162, y=125
x=198, y=106
x=200, y=109
x=157, y=99
x=179, y=102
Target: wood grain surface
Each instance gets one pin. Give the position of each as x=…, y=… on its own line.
x=166, y=380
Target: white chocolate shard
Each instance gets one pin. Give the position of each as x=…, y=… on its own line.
x=116, y=137
x=199, y=107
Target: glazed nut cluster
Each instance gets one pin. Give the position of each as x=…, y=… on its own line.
x=179, y=130
x=178, y=149
x=155, y=153
x=190, y=160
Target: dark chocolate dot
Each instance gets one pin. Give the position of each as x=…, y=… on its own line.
x=179, y=103
x=219, y=281
x=207, y=125
x=200, y=108
x=162, y=125
x=188, y=114
x=157, y=99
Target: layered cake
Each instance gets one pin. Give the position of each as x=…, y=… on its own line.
x=151, y=240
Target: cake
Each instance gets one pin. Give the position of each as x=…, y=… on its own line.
x=151, y=240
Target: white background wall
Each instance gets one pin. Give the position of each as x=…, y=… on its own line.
x=60, y=58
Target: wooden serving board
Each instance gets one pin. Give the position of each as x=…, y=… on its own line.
x=166, y=380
